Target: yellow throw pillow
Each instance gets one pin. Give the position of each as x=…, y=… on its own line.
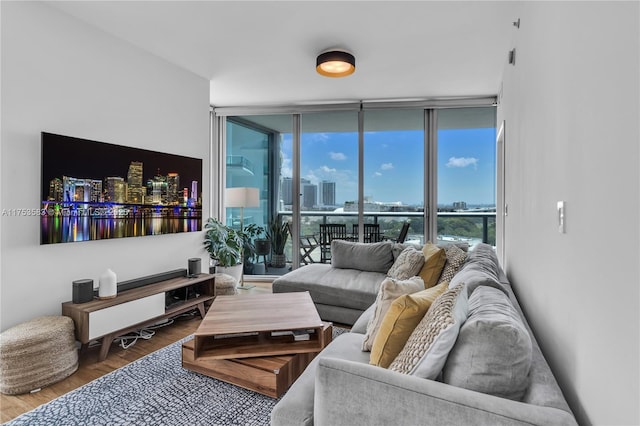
x=398, y=323
x=434, y=260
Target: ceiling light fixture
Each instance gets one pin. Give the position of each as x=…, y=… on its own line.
x=336, y=63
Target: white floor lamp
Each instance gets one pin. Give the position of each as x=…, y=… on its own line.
x=242, y=197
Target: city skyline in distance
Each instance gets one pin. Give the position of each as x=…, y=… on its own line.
x=394, y=165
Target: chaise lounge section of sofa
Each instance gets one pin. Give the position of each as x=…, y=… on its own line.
x=344, y=289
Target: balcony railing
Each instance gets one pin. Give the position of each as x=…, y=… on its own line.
x=464, y=226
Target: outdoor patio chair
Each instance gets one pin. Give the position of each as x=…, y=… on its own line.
x=328, y=233
x=371, y=232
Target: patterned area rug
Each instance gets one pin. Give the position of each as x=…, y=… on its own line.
x=155, y=390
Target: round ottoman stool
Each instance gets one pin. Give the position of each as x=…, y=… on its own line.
x=225, y=284
x=37, y=353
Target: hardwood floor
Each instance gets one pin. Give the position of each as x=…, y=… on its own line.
x=90, y=369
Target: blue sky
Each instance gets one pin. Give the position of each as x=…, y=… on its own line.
x=393, y=170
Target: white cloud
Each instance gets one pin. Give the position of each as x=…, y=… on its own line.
x=285, y=168
x=337, y=156
x=376, y=174
x=462, y=162
x=386, y=166
x=327, y=169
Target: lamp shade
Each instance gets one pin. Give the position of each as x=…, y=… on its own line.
x=242, y=197
x=335, y=63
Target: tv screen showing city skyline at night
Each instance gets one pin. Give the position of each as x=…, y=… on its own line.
x=94, y=191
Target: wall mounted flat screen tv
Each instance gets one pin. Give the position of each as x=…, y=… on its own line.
x=96, y=191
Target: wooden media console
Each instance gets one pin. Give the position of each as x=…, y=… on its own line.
x=136, y=308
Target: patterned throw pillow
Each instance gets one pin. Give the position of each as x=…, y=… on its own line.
x=455, y=259
x=426, y=351
x=390, y=290
x=434, y=260
x=407, y=265
x=401, y=319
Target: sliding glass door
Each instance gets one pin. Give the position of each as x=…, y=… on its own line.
x=376, y=166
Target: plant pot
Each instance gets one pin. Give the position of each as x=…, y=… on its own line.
x=248, y=268
x=234, y=271
x=263, y=247
x=278, y=260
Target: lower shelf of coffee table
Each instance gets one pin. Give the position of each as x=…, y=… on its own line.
x=255, y=345
x=268, y=375
x=271, y=375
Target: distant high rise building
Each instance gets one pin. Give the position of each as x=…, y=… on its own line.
x=309, y=195
x=286, y=191
x=79, y=190
x=459, y=205
x=135, y=191
x=173, y=188
x=115, y=189
x=157, y=189
x=96, y=191
x=194, y=190
x=55, y=190
x=328, y=193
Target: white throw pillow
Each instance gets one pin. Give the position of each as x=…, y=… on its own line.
x=390, y=290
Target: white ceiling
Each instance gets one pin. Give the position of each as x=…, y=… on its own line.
x=263, y=52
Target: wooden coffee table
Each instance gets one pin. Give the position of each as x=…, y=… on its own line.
x=236, y=343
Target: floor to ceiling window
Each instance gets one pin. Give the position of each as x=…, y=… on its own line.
x=400, y=173
x=394, y=171
x=467, y=175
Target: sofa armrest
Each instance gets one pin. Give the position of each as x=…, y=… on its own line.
x=352, y=393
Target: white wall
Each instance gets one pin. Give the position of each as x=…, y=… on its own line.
x=571, y=105
x=62, y=76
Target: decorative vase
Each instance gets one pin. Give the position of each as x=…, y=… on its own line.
x=278, y=260
x=234, y=271
x=108, y=286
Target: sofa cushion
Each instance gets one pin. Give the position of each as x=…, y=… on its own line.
x=390, y=290
x=455, y=259
x=425, y=353
x=296, y=406
x=360, y=325
x=372, y=257
x=480, y=269
x=493, y=352
x=401, y=319
x=407, y=265
x=434, y=260
x=348, y=288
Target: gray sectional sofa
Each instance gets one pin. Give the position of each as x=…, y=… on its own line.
x=340, y=387
x=344, y=289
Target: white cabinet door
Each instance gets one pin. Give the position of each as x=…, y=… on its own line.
x=124, y=315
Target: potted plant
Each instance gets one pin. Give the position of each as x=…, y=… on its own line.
x=278, y=234
x=224, y=245
x=248, y=245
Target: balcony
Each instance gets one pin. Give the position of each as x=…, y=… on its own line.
x=466, y=226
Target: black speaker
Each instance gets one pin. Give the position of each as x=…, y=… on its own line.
x=194, y=267
x=82, y=291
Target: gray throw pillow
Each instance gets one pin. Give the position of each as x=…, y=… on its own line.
x=493, y=351
x=373, y=257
